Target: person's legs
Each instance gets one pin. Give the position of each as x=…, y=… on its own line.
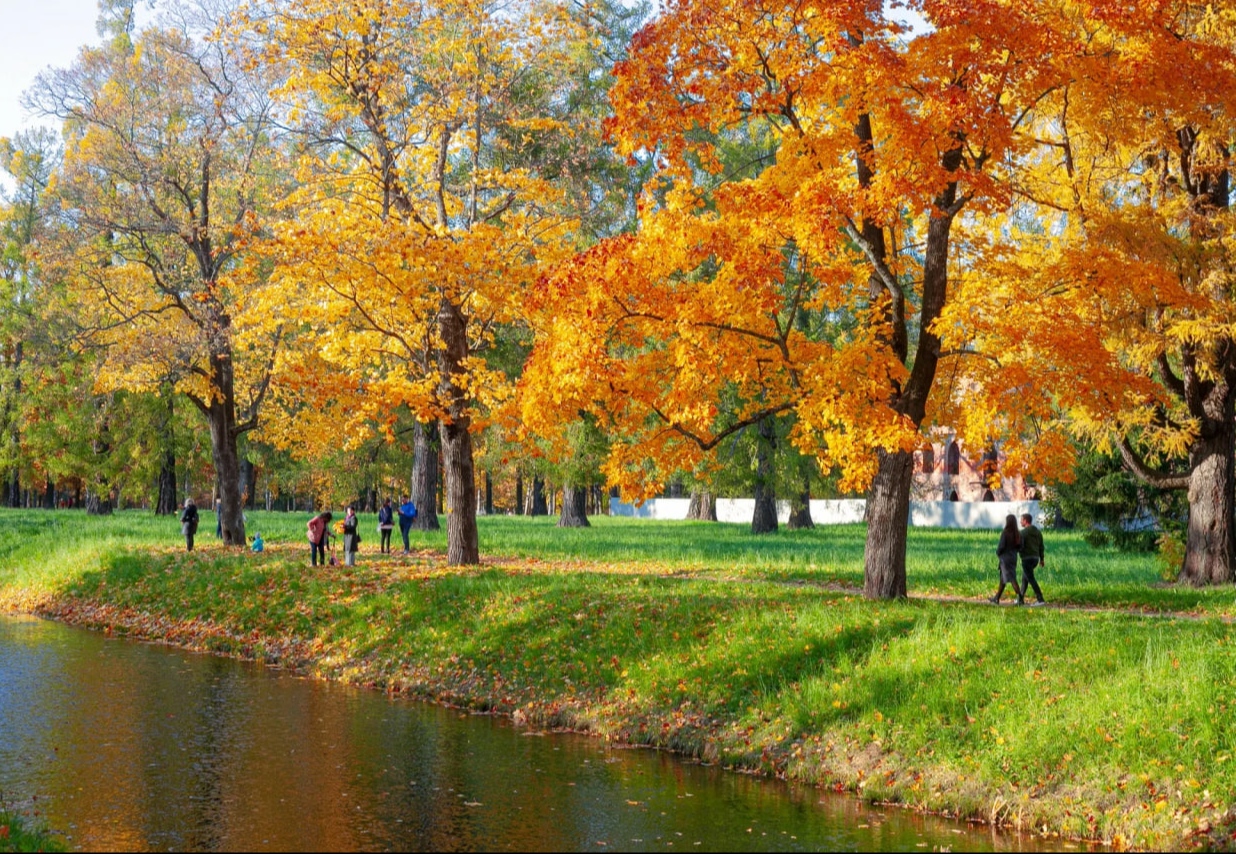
x=1028, y=580
x=404, y=530
x=317, y=548
x=385, y=546
x=189, y=541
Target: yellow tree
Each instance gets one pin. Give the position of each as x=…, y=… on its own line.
x=168, y=166
x=1103, y=304
x=809, y=276
x=420, y=221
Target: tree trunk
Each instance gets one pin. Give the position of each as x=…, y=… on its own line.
x=15, y=434
x=245, y=481
x=1210, y=553
x=800, y=504
x=462, y=541
x=49, y=494
x=888, y=516
x=489, y=494
x=166, y=504
x=703, y=506
x=764, y=520
x=98, y=503
x=425, y=477
x=675, y=488
x=519, y=492
x=574, y=507
x=539, y=506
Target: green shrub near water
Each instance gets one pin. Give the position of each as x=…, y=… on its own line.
x=17, y=835
x=686, y=635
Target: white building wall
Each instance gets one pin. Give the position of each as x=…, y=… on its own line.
x=923, y=514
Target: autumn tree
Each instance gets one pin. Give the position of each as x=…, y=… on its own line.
x=874, y=143
x=168, y=168
x=1102, y=305
x=420, y=220
x=29, y=159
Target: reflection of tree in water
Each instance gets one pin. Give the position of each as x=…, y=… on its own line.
x=191, y=752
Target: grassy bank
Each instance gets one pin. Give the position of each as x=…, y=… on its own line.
x=1108, y=725
x=17, y=834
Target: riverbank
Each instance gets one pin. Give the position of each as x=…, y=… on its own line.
x=17, y=834
x=1102, y=725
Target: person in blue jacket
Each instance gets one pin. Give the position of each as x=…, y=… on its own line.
x=407, y=512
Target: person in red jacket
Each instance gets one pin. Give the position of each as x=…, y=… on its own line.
x=318, y=531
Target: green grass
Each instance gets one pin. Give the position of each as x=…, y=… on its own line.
x=1095, y=724
x=17, y=834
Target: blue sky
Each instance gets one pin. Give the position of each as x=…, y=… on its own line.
x=36, y=34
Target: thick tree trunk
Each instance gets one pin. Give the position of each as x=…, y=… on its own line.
x=246, y=483
x=539, y=505
x=99, y=503
x=462, y=541
x=1210, y=553
x=489, y=494
x=49, y=495
x=764, y=520
x=519, y=493
x=425, y=477
x=166, y=504
x=227, y=472
x=800, y=504
x=703, y=506
x=574, y=507
x=888, y=516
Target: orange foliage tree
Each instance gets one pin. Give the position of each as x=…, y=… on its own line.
x=807, y=276
x=418, y=225
x=1103, y=302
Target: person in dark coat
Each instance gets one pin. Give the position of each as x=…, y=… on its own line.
x=386, y=524
x=1006, y=551
x=351, y=537
x=1032, y=557
x=188, y=523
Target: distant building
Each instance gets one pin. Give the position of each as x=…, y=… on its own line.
x=944, y=471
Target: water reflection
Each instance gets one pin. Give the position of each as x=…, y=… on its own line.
x=137, y=747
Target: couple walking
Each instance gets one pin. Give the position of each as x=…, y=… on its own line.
x=1026, y=543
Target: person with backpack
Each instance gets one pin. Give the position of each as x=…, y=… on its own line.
x=351, y=537
x=1031, y=557
x=318, y=531
x=407, y=512
x=1006, y=551
x=386, y=524
x=188, y=523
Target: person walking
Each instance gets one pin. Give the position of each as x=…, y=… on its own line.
x=386, y=524
x=407, y=512
x=1032, y=557
x=188, y=523
x=219, y=518
x=318, y=531
x=351, y=536
x=1006, y=551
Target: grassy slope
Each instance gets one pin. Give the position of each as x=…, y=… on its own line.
x=1093, y=724
x=16, y=834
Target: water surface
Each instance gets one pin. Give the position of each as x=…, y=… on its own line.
x=129, y=746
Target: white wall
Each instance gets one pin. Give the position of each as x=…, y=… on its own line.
x=936, y=514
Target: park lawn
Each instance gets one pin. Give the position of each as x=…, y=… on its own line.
x=1106, y=724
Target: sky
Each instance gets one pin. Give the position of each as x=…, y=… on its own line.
x=34, y=35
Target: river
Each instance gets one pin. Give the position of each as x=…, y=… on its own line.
x=122, y=745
